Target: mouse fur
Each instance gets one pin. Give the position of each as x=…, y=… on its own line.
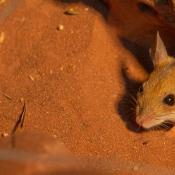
x=156, y=102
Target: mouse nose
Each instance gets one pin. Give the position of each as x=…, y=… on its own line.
x=147, y=121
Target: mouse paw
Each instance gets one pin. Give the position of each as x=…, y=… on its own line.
x=170, y=133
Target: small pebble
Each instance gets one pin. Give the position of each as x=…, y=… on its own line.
x=62, y=68
x=55, y=136
x=86, y=9
x=31, y=77
x=145, y=143
x=60, y=27
x=22, y=100
x=135, y=168
x=2, y=37
x=71, y=31
x=23, y=19
x=4, y=134
x=71, y=11
x=51, y=72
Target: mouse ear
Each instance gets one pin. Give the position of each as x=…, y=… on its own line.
x=159, y=53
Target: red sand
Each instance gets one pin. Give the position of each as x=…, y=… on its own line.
x=73, y=85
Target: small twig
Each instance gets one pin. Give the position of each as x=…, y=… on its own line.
x=19, y=123
x=6, y=96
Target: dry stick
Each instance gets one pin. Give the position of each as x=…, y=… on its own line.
x=19, y=123
x=6, y=96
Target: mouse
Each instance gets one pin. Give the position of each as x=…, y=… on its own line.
x=155, y=104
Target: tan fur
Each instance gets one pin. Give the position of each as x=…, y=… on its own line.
x=150, y=110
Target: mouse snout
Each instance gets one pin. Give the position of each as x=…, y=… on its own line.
x=145, y=121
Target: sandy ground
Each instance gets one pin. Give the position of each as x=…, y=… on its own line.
x=74, y=82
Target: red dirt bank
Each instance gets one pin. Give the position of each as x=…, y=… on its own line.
x=72, y=84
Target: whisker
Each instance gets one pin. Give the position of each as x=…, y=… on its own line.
x=156, y=128
x=168, y=122
x=171, y=113
x=129, y=103
x=132, y=109
x=131, y=97
x=159, y=117
x=159, y=127
x=134, y=99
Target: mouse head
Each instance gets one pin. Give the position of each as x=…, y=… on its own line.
x=156, y=99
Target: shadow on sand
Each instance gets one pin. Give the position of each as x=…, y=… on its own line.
x=127, y=106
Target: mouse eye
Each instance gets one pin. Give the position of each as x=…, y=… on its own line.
x=169, y=100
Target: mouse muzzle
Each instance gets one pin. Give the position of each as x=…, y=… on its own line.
x=147, y=121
